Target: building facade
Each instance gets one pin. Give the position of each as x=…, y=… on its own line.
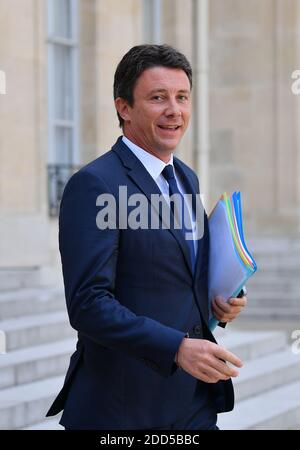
x=59, y=58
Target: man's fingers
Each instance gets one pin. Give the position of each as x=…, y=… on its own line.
x=205, y=378
x=225, y=370
x=220, y=314
x=227, y=306
x=226, y=355
x=214, y=374
x=207, y=361
x=226, y=310
x=221, y=305
x=217, y=309
x=242, y=302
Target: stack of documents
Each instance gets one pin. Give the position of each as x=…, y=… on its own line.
x=230, y=263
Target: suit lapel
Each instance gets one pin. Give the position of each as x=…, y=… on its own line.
x=143, y=180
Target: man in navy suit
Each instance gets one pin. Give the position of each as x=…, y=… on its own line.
x=137, y=295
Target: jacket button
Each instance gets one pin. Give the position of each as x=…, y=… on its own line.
x=153, y=365
x=149, y=363
x=197, y=329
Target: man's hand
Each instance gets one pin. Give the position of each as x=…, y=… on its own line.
x=206, y=360
x=228, y=311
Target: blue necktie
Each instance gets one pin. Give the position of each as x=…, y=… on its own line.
x=178, y=209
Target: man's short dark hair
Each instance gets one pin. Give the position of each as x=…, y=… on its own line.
x=140, y=58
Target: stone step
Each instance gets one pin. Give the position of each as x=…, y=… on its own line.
x=290, y=250
x=48, y=424
x=271, y=282
x=270, y=300
x=277, y=409
x=18, y=278
x=285, y=307
x=270, y=312
x=249, y=345
x=265, y=260
x=270, y=303
x=279, y=266
x=269, y=372
x=24, y=406
x=35, y=363
x=272, y=275
x=276, y=249
x=21, y=406
x=281, y=273
x=278, y=289
x=24, y=302
x=275, y=295
x=274, y=245
x=42, y=328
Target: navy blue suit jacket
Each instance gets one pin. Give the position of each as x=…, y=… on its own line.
x=132, y=296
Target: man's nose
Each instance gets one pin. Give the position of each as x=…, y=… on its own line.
x=173, y=109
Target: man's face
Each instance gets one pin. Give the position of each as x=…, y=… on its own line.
x=160, y=112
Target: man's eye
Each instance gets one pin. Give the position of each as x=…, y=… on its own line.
x=157, y=97
x=183, y=98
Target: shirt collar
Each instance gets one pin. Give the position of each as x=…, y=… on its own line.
x=152, y=164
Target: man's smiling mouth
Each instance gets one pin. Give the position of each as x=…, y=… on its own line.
x=169, y=127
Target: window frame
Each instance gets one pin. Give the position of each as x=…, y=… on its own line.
x=72, y=44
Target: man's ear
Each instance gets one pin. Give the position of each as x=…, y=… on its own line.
x=123, y=108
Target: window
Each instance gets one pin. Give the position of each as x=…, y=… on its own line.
x=63, y=96
x=152, y=21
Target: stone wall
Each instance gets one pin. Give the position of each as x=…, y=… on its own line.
x=23, y=135
x=253, y=118
x=254, y=138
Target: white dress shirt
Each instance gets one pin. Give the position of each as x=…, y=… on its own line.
x=154, y=167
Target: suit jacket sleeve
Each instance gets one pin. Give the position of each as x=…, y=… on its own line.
x=89, y=259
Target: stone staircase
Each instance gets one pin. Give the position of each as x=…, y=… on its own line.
x=39, y=342
x=268, y=388
x=274, y=291
x=18, y=278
